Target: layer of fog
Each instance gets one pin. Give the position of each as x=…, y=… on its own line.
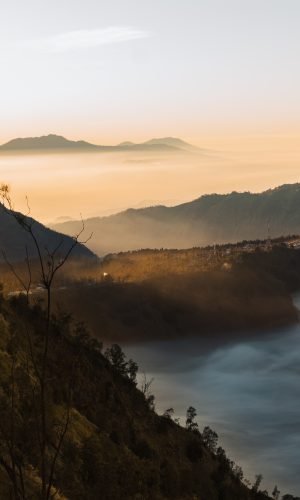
x=94, y=184
x=248, y=392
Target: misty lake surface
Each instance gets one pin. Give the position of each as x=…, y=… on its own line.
x=248, y=392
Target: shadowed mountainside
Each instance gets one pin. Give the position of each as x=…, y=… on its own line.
x=163, y=295
x=217, y=296
x=207, y=220
x=14, y=240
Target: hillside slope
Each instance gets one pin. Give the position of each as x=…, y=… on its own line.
x=14, y=239
x=163, y=294
x=116, y=446
x=207, y=220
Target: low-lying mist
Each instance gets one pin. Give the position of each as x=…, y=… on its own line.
x=248, y=392
x=96, y=184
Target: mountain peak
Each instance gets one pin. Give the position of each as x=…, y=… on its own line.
x=126, y=143
x=51, y=141
x=174, y=142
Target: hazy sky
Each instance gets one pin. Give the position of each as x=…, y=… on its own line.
x=110, y=71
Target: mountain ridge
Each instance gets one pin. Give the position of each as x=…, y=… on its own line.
x=53, y=142
x=209, y=219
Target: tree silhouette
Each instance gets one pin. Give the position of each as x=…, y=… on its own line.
x=190, y=423
x=257, y=482
x=210, y=439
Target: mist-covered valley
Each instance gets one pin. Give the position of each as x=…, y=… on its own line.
x=149, y=250
x=247, y=391
x=61, y=183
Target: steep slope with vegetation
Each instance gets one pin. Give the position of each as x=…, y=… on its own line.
x=103, y=437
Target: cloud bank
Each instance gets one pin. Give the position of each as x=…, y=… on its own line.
x=83, y=39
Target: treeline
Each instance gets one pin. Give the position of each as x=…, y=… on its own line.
x=219, y=303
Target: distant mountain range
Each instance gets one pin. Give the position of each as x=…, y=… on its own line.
x=57, y=142
x=207, y=220
x=14, y=240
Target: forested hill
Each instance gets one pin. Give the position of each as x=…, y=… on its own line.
x=14, y=239
x=207, y=220
x=233, y=291
x=101, y=433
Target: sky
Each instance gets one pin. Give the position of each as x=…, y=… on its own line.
x=114, y=71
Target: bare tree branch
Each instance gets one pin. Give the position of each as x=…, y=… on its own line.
x=49, y=265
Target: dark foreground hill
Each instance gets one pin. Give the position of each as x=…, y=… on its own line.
x=14, y=239
x=103, y=434
x=207, y=220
